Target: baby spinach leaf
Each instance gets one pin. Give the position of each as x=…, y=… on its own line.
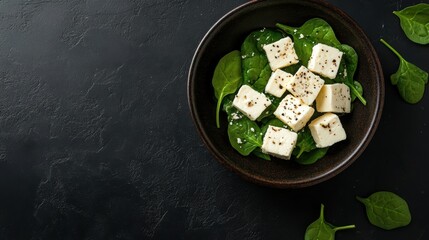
x=256, y=69
x=322, y=230
x=258, y=153
x=311, y=157
x=226, y=78
x=304, y=143
x=409, y=78
x=306, y=151
x=386, y=210
x=244, y=135
x=415, y=22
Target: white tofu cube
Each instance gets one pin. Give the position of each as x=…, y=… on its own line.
x=325, y=60
x=281, y=53
x=327, y=130
x=305, y=85
x=279, y=142
x=334, y=98
x=250, y=102
x=293, y=112
x=277, y=83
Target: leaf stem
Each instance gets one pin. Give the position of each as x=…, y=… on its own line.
x=219, y=102
x=391, y=48
x=322, y=214
x=285, y=28
x=358, y=95
x=344, y=227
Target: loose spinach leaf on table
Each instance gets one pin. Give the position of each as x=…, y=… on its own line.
x=386, y=210
x=256, y=69
x=315, y=31
x=415, y=22
x=409, y=78
x=226, y=78
x=322, y=230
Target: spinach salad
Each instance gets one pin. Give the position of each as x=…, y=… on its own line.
x=283, y=89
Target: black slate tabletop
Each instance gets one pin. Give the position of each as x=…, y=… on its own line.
x=97, y=142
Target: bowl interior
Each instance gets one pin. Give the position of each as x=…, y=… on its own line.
x=227, y=35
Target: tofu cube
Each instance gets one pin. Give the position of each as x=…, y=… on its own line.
x=281, y=53
x=327, y=130
x=293, y=112
x=334, y=98
x=325, y=60
x=305, y=85
x=250, y=102
x=276, y=85
x=279, y=142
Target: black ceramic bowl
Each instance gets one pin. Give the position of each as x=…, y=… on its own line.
x=227, y=35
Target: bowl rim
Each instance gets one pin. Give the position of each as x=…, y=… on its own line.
x=374, y=121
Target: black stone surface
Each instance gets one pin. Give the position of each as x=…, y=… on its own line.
x=96, y=140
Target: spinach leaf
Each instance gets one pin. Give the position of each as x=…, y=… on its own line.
x=315, y=31
x=415, y=22
x=409, y=78
x=322, y=230
x=258, y=153
x=244, y=135
x=256, y=69
x=386, y=210
x=311, y=157
x=306, y=151
x=226, y=78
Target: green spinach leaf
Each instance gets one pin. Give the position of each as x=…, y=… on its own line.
x=256, y=69
x=386, y=210
x=226, y=78
x=258, y=153
x=322, y=230
x=244, y=135
x=306, y=151
x=409, y=78
x=415, y=22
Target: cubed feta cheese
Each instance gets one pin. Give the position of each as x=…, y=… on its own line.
x=305, y=85
x=327, y=130
x=334, y=98
x=276, y=85
x=281, y=53
x=250, y=102
x=293, y=112
x=279, y=142
x=325, y=60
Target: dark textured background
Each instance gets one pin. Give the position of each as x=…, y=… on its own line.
x=96, y=139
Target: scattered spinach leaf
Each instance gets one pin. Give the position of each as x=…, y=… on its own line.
x=386, y=210
x=415, y=22
x=256, y=69
x=322, y=230
x=226, y=78
x=409, y=78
